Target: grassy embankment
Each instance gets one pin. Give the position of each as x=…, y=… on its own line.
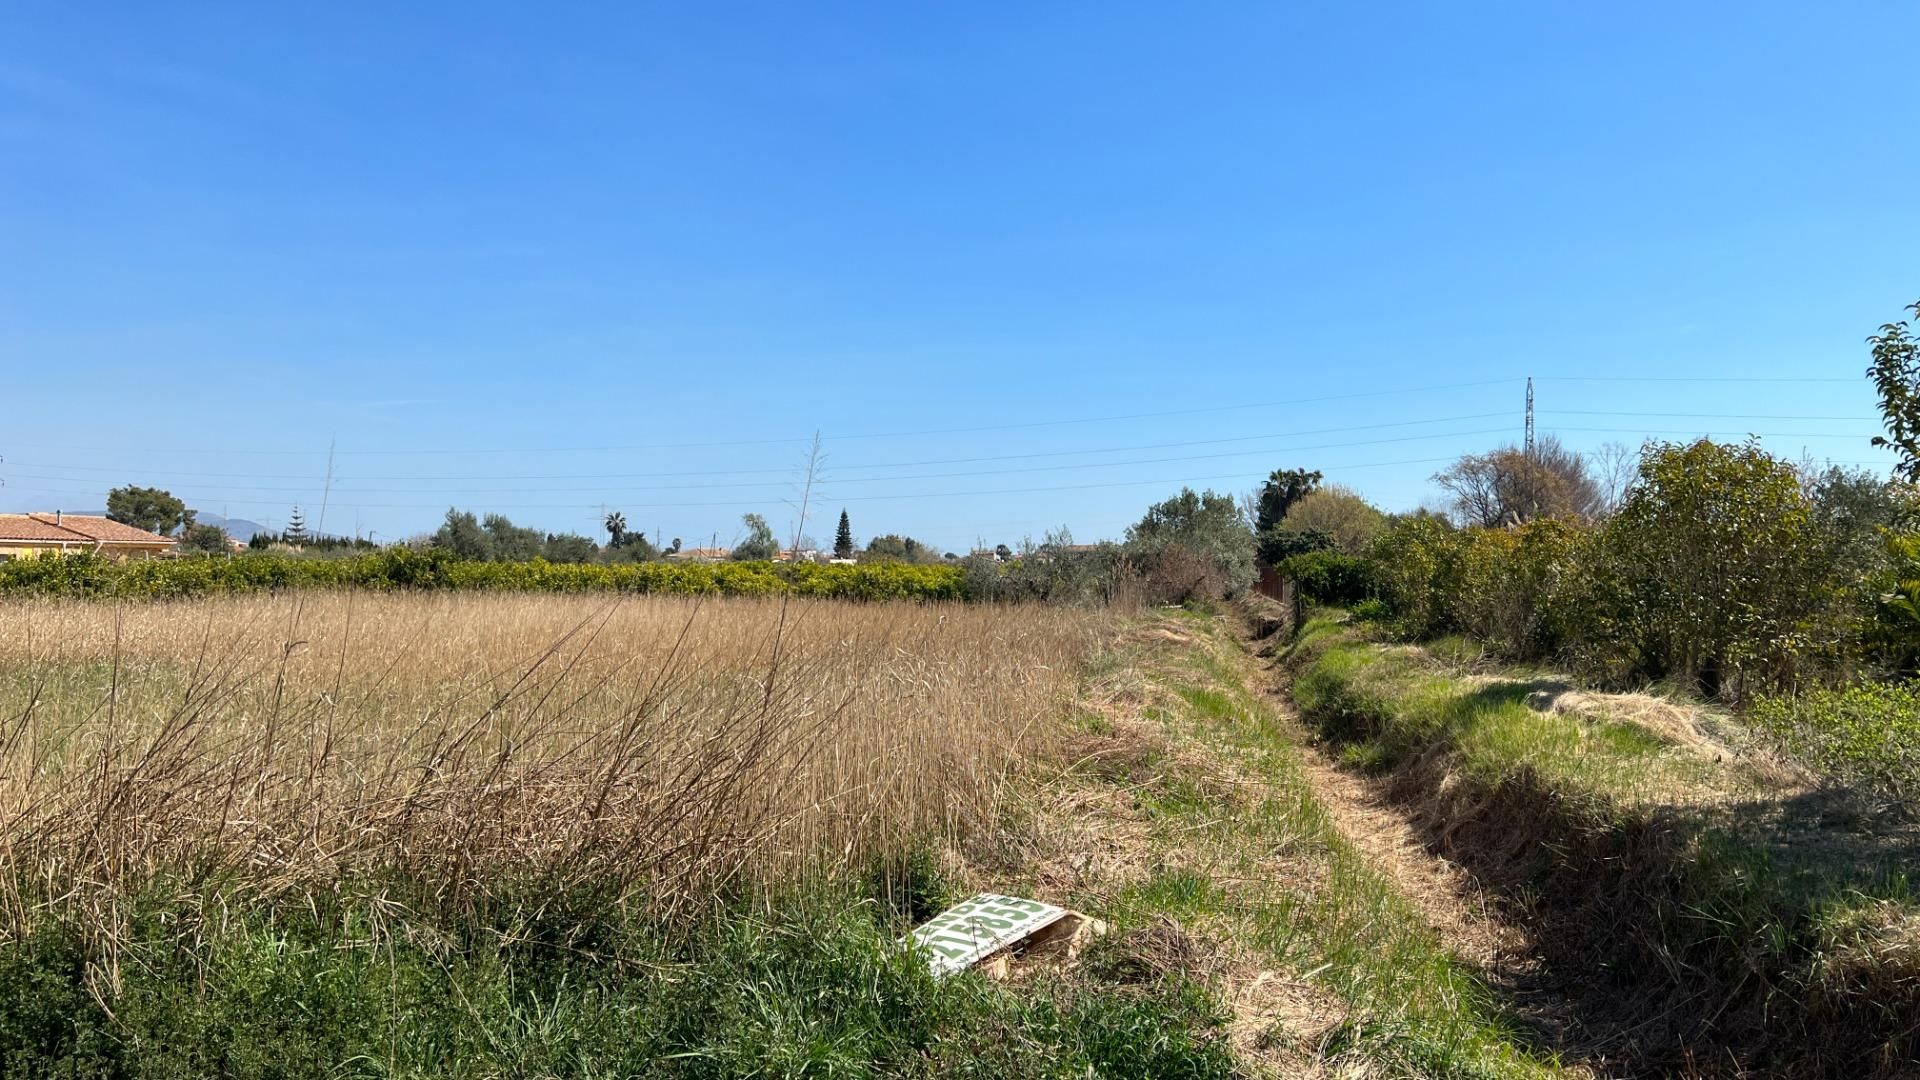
x=1712, y=909
x=1187, y=818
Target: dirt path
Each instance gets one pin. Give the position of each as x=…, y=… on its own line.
x=1450, y=900
x=1444, y=892
x=1462, y=914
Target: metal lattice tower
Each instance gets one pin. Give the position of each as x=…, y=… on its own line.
x=1529, y=416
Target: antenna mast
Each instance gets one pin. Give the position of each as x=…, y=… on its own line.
x=1529, y=416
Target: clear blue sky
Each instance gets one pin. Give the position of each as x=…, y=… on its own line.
x=465, y=241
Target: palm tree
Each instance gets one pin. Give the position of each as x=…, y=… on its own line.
x=616, y=528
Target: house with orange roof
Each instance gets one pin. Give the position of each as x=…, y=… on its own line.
x=26, y=536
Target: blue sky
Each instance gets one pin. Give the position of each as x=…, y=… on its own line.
x=1003, y=260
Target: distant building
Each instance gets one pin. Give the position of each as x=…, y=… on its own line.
x=1048, y=551
x=26, y=536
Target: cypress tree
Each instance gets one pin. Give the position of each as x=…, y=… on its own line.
x=843, y=538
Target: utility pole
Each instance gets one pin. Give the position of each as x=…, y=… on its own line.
x=1529, y=416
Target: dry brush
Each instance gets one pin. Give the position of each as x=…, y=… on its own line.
x=643, y=750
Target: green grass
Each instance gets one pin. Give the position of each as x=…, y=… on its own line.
x=1411, y=1007
x=810, y=982
x=1867, y=734
x=1693, y=869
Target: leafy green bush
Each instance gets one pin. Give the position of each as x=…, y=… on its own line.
x=1415, y=569
x=403, y=568
x=1724, y=572
x=1329, y=577
x=1194, y=546
x=1276, y=545
x=1716, y=572
x=1508, y=583
x=1867, y=734
x=1099, y=576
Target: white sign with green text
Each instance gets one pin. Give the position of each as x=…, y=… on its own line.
x=968, y=931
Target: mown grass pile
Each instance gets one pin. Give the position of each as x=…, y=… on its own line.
x=1663, y=869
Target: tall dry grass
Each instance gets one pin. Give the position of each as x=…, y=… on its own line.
x=649, y=748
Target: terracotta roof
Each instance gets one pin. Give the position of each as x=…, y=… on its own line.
x=74, y=529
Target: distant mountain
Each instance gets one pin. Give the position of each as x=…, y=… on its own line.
x=239, y=528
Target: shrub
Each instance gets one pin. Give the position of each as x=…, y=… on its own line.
x=1100, y=576
x=1716, y=572
x=1868, y=734
x=1276, y=545
x=1508, y=581
x=1194, y=544
x=1348, y=521
x=1414, y=566
x=438, y=568
x=1329, y=577
x=1721, y=566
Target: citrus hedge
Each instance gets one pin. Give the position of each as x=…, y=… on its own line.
x=158, y=579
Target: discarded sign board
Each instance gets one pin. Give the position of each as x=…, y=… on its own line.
x=967, y=932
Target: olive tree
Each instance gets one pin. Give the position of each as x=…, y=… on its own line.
x=1201, y=539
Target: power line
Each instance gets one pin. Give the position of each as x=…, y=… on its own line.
x=1699, y=378
x=788, y=471
x=1703, y=416
x=858, y=479
x=831, y=438
x=860, y=498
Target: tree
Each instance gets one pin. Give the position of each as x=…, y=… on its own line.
x=894, y=548
x=152, y=509
x=1614, y=467
x=1206, y=529
x=1348, y=521
x=211, y=539
x=1279, y=544
x=634, y=548
x=760, y=545
x=510, y=542
x=1896, y=375
x=569, y=548
x=843, y=538
x=461, y=534
x=616, y=529
x=1509, y=486
x=1277, y=496
x=675, y=549
x=1719, y=564
x=296, y=528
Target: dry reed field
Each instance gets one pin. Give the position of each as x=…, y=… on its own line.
x=644, y=748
